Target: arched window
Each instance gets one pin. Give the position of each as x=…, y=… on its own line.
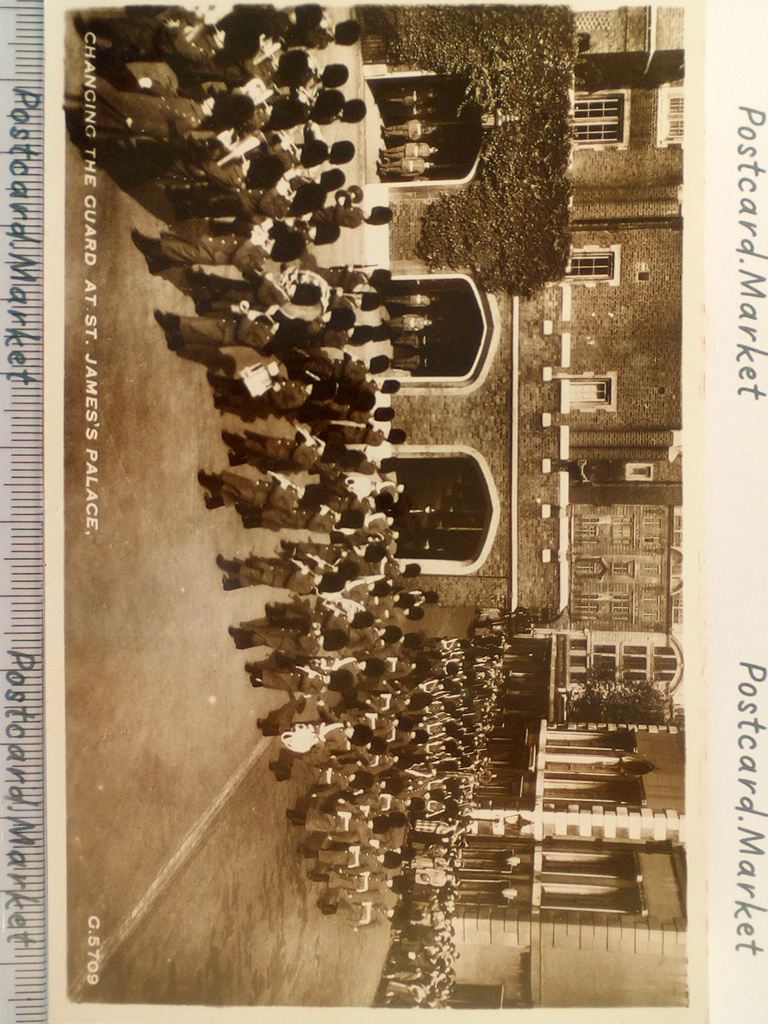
x=448, y=512
x=444, y=331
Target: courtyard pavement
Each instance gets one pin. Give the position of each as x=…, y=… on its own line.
x=177, y=836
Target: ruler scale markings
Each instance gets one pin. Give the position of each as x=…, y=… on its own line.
x=23, y=983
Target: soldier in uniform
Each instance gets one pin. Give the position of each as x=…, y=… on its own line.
x=191, y=245
x=413, y=130
x=266, y=451
x=408, y=149
x=406, y=167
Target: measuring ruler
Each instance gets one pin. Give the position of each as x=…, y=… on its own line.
x=23, y=937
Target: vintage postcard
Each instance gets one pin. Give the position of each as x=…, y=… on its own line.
x=369, y=679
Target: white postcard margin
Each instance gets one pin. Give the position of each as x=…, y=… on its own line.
x=736, y=99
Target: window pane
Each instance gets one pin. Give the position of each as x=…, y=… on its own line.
x=597, y=107
x=591, y=265
x=599, y=119
x=622, y=568
x=604, y=661
x=588, y=566
x=635, y=661
x=665, y=663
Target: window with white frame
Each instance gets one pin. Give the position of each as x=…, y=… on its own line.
x=665, y=663
x=677, y=536
x=592, y=264
x=604, y=661
x=593, y=392
x=588, y=394
x=586, y=528
x=622, y=530
x=670, y=119
x=600, y=119
x=589, y=567
x=652, y=525
x=623, y=568
x=621, y=607
x=584, y=606
x=650, y=607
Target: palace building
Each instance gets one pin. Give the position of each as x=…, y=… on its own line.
x=543, y=470
x=571, y=398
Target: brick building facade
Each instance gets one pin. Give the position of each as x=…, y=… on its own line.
x=582, y=398
x=574, y=418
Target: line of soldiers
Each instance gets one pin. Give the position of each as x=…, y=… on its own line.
x=397, y=757
x=227, y=118
x=391, y=724
x=420, y=969
x=231, y=131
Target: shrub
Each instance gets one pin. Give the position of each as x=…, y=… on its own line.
x=510, y=226
x=611, y=697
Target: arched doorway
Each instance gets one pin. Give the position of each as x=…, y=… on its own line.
x=449, y=125
x=448, y=513
x=450, y=327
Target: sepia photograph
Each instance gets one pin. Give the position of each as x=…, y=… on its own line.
x=373, y=660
